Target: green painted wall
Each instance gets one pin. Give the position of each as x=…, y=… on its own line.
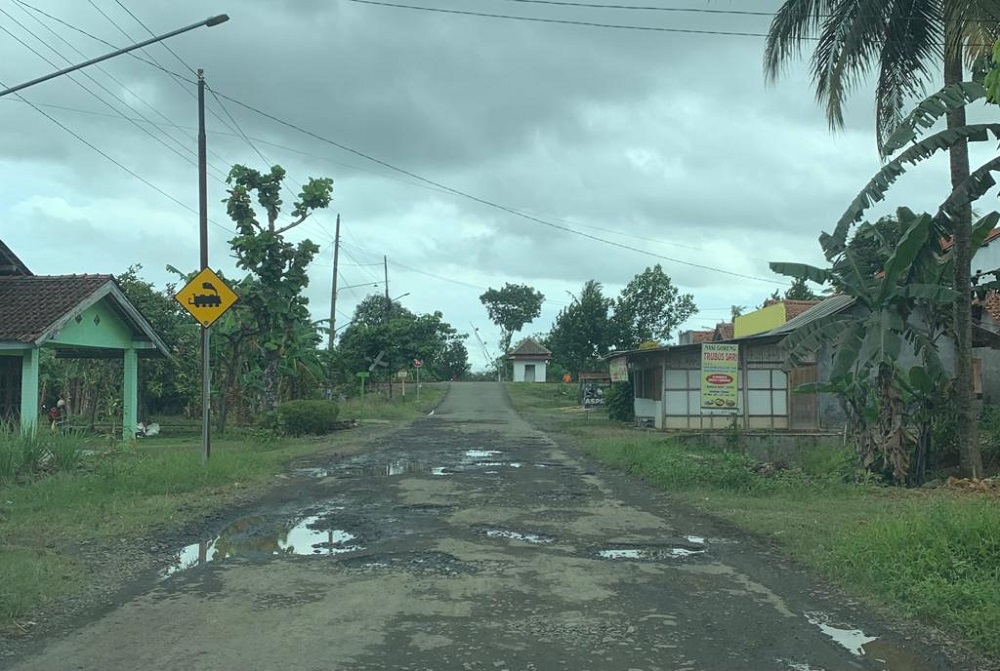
x=759, y=321
x=109, y=331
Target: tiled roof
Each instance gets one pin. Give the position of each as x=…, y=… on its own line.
x=30, y=305
x=530, y=347
x=10, y=264
x=794, y=308
x=723, y=331
x=701, y=336
x=990, y=237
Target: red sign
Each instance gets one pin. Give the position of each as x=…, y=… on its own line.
x=417, y=363
x=719, y=378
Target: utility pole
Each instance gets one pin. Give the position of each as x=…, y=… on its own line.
x=388, y=309
x=206, y=369
x=333, y=292
x=388, y=303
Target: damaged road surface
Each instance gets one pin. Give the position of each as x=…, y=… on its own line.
x=472, y=541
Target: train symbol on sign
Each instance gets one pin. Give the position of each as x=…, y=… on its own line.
x=211, y=300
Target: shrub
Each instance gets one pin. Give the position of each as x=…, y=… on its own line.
x=301, y=418
x=619, y=402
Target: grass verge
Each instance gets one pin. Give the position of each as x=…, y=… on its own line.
x=399, y=407
x=932, y=554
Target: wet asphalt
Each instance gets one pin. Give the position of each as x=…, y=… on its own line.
x=472, y=541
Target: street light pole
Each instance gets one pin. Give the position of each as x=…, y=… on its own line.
x=206, y=365
x=209, y=22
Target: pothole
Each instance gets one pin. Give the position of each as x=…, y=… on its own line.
x=312, y=535
x=689, y=547
x=524, y=537
x=883, y=654
x=481, y=454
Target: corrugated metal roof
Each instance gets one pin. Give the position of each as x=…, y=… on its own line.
x=830, y=306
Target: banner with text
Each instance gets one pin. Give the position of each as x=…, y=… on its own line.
x=720, y=363
x=618, y=367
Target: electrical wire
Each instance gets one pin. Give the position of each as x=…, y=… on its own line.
x=84, y=87
x=152, y=34
x=568, y=22
x=112, y=159
x=488, y=203
x=645, y=8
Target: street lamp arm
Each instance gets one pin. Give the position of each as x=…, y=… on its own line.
x=209, y=22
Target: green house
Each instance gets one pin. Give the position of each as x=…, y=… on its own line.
x=75, y=316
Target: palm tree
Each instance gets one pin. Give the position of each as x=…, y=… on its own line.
x=904, y=42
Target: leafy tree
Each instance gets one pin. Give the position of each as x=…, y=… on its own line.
x=800, y=291
x=454, y=363
x=903, y=40
x=583, y=331
x=510, y=308
x=650, y=307
x=403, y=336
x=275, y=301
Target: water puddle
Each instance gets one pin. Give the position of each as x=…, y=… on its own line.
x=318, y=473
x=883, y=654
x=534, y=539
x=689, y=547
x=481, y=454
x=468, y=460
x=313, y=535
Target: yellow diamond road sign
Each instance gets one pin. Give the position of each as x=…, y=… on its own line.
x=206, y=297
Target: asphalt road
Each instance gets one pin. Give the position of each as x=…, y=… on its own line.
x=472, y=541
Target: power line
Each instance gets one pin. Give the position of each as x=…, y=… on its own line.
x=568, y=22
x=645, y=8
x=84, y=87
x=438, y=277
x=152, y=34
x=107, y=156
x=487, y=203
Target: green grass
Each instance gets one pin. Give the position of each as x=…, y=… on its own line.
x=545, y=396
x=934, y=555
x=399, y=407
x=30, y=578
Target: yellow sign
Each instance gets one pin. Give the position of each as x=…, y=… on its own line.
x=206, y=297
x=720, y=364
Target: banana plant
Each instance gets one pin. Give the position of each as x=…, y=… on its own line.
x=909, y=149
x=908, y=303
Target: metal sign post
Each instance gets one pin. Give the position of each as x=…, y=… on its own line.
x=206, y=298
x=418, y=364
x=363, y=375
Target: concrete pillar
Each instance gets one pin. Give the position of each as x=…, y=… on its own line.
x=29, y=391
x=130, y=394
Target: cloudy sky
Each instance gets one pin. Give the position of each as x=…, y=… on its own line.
x=670, y=145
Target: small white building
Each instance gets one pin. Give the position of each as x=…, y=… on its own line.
x=530, y=359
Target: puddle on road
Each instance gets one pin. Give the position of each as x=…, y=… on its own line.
x=647, y=553
x=688, y=547
x=534, y=539
x=468, y=460
x=481, y=454
x=313, y=535
x=883, y=654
